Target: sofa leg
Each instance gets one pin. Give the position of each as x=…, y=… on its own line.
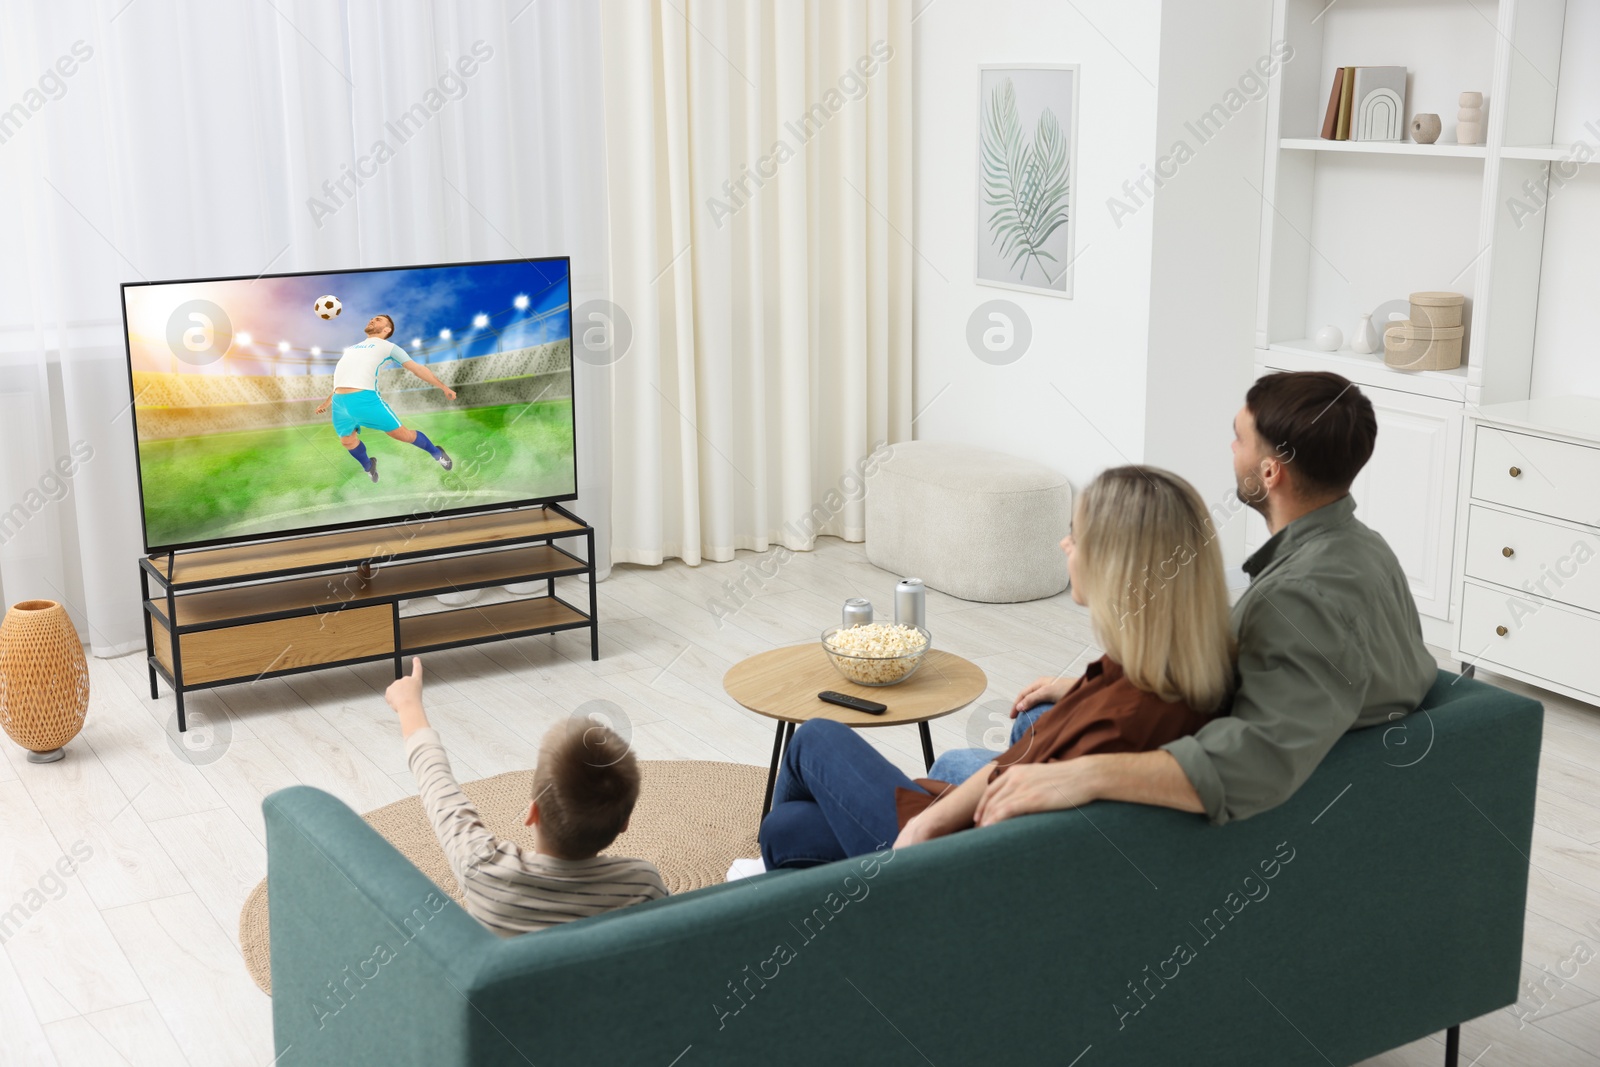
x=1452, y=1046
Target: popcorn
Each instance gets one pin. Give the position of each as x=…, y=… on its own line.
x=884, y=652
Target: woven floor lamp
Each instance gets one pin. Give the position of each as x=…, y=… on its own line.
x=44, y=679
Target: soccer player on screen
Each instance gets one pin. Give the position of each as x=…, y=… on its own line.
x=356, y=403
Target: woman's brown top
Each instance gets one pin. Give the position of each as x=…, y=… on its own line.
x=1102, y=712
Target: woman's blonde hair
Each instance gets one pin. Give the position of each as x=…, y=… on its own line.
x=1151, y=574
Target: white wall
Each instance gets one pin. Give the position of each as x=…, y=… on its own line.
x=1569, y=287
x=1207, y=245
x=1564, y=362
x=1091, y=347
x=1153, y=352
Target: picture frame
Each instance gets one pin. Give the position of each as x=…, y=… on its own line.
x=1025, y=210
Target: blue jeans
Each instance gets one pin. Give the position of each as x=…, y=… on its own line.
x=959, y=764
x=834, y=798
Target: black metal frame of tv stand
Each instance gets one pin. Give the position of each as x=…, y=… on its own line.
x=171, y=591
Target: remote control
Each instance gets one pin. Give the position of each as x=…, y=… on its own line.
x=853, y=703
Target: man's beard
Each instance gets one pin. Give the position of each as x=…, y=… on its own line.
x=1251, y=493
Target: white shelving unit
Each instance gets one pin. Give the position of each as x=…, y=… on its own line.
x=1548, y=153
x=1350, y=225
x=1387, y=148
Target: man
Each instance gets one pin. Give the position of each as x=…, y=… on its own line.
x=1329, y=639
x=356, y=403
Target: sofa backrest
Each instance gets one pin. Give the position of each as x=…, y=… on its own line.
x=1382, y=902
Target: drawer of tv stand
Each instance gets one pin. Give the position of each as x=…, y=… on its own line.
x=247, y=651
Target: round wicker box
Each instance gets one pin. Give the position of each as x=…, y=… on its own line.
x=1409, y=345
x=1437, y=309
x=44, y=678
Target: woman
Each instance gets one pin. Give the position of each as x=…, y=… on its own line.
x=1141, y=557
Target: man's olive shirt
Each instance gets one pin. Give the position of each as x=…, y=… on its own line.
x=1329, y=641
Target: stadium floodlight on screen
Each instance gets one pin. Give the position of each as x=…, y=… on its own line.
x=295, y=403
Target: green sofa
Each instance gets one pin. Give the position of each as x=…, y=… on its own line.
x=1383, y=902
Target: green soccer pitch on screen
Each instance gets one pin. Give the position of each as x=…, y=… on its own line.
x=293, y=403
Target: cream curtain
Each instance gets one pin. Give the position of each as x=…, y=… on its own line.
x=758, y=183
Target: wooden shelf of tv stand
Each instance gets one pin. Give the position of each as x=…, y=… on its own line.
x=246, y=612
x=213, y=607
x=252, y=650
x=236, y=563
x=470, y=625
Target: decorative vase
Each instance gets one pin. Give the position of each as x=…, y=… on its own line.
x=1469, y=120
x=1365, y=339
x=1327, y=339
x=1425, y=128
x=44, y=679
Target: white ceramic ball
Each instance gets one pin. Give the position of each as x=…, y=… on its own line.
x=1327, y=339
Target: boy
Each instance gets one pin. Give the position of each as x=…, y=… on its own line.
x=356, y=403
x=584, y=789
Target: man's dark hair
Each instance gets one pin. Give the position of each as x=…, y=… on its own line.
x=382, y=315
x=1316, y=421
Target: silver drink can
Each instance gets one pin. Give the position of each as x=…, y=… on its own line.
x=911, y=603
x=857, y=612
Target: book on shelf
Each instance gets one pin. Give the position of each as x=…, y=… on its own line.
x=1346, y=94
x=1330, y=121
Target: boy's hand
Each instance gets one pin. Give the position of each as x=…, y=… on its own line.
x=405, y=697
x=322, y=408
x=449, y=393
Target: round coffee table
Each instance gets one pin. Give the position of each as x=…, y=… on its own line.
x=783, y=684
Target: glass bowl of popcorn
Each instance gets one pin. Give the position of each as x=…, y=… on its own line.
x=876, y=653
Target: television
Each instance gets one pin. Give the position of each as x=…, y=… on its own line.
x=286, y=404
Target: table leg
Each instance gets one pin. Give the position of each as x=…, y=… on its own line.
x=927, y=744
x=772, y=773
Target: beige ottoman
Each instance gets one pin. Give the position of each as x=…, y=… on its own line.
x=976, y=524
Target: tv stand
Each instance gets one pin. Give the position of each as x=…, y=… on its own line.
x=238, y=613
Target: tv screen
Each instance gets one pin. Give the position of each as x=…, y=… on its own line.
x=291, y=403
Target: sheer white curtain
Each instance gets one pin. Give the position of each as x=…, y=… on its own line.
x=159, y=139
x=759, y=185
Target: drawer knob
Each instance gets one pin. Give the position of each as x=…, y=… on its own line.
x=1507, y=552
x=1516, y=472
x=1501, y=630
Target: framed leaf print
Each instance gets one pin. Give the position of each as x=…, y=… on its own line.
x=1027, y=168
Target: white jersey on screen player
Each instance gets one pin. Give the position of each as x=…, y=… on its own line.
x=359, y=366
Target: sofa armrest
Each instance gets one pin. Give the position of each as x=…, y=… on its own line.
x=366, y=950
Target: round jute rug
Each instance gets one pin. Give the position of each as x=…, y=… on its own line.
x=693, y=819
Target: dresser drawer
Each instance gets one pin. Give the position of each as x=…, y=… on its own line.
x=1536, y=474
x=1540, y=639
x=1561, y=563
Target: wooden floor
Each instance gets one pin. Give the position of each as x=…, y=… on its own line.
x=134, y=958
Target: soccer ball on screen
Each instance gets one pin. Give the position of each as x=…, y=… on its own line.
x=327, y=307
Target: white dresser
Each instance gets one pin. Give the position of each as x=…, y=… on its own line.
x=1527, y=573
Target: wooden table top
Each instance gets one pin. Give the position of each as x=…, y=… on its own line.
x=784, y=683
